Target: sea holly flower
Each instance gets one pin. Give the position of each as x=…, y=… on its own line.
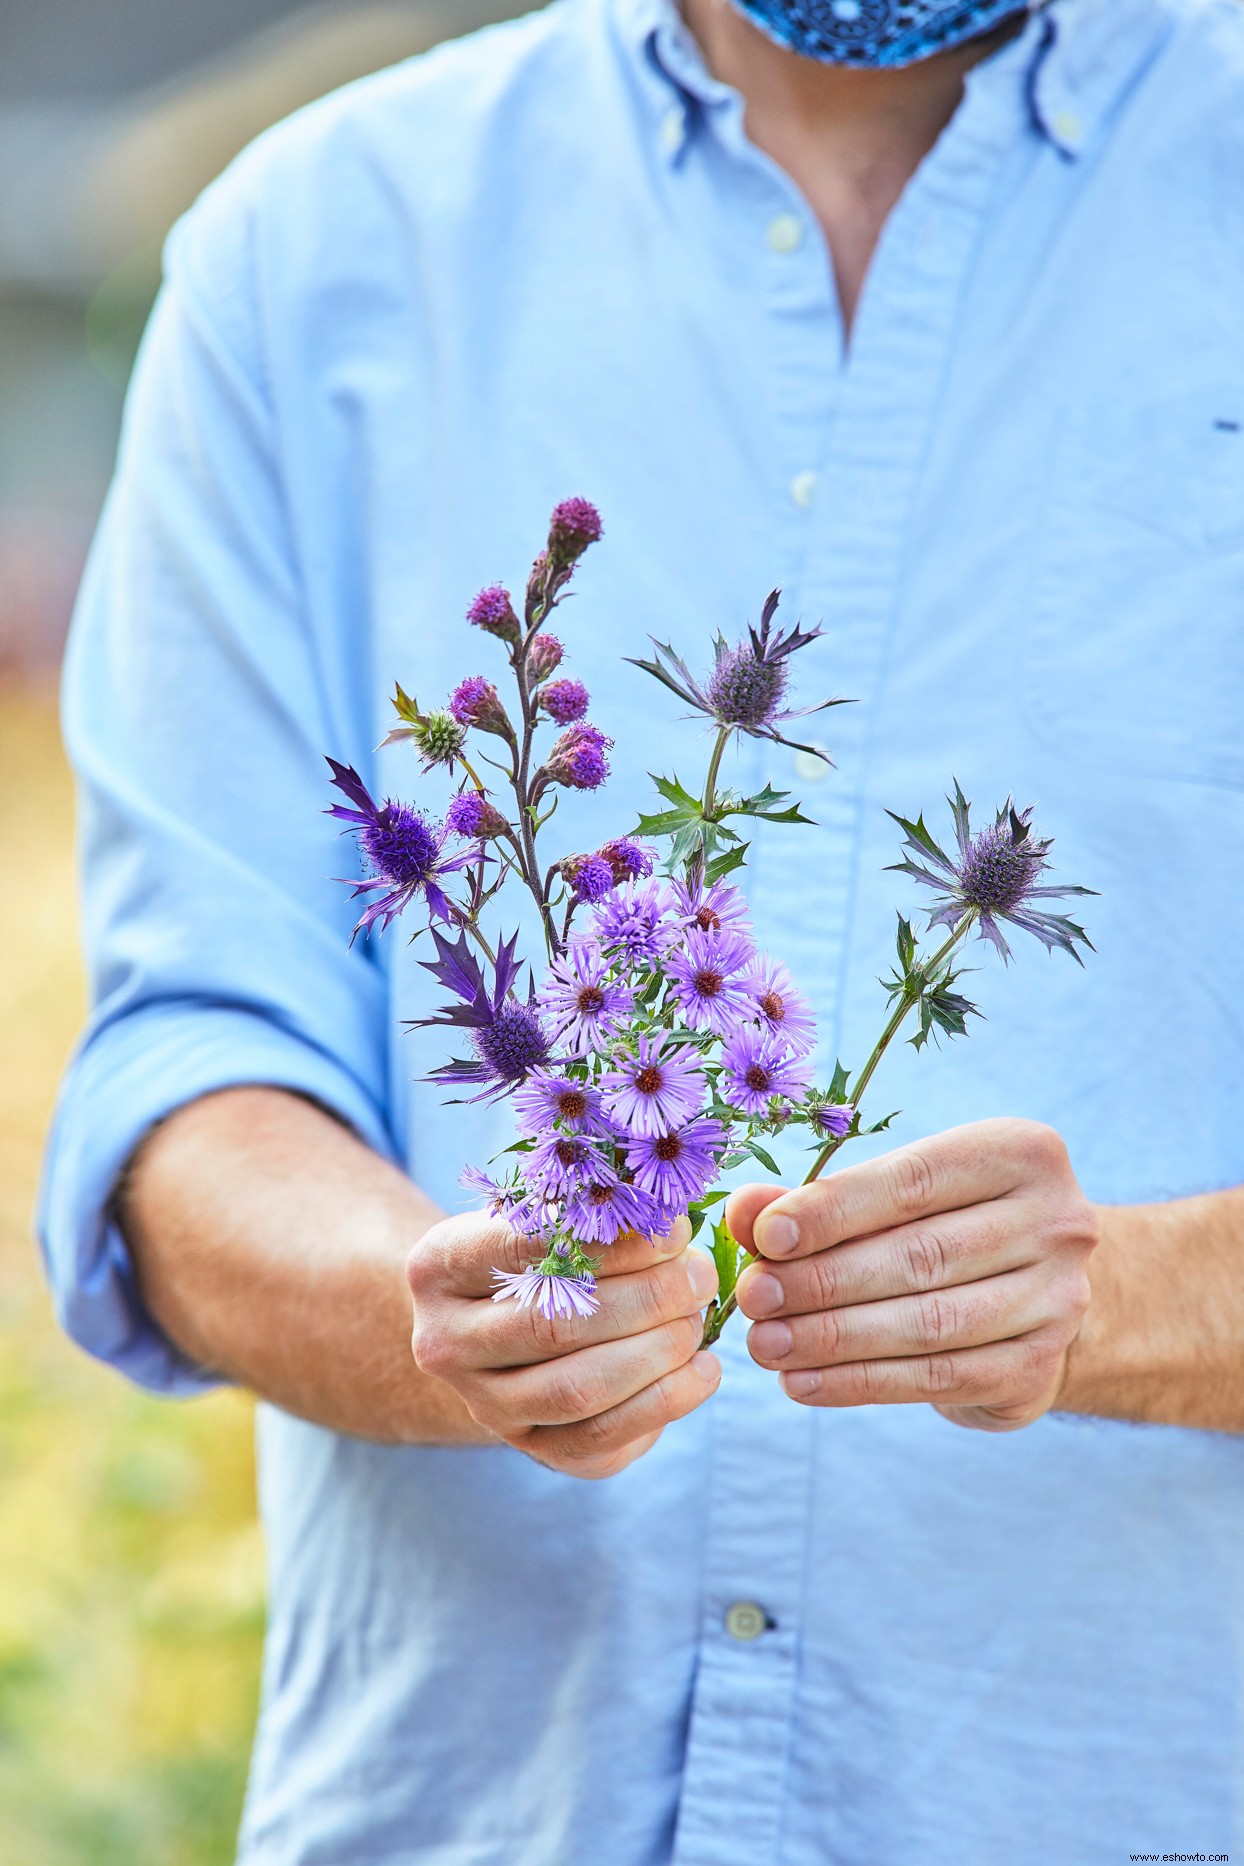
x=565, y=701
x=543, y=657
x=404, y=850
x=507, y=1036
x=656, y=1088
x=632, y=923
x=578, y=759
x=677, y=1167
x=493, y=611
x=586, y=1005
x=554, y=1292
x=438, y=739
x=547, y=1096
x=574, y=525
x=756, y=1067
x=610, y=1208
x=996, y=878
x=710, y=908
x=783, y=1010
x=706, y=984
x=475, y=702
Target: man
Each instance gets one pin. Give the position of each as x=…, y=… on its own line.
x=930, y=314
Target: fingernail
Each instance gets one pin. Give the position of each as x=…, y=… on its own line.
x=770, y=1341
x=702, y=1275
x=799, y=1386
x=707, y=1366
x=778, y=1236
x=760, y=1294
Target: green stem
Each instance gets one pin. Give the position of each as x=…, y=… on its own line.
x=709, y=804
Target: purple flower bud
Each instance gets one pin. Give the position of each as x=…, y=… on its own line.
x=565, y=701
x=474, y=702
x=493, y=611
x=628, y=860
x=590, y=876
x=473, y=816
x=744, y=690
x=578, y=758
x=829, y=1118
x=574, y=525
x=543, y=656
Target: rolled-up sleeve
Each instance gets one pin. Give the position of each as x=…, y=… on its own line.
x=201, y=692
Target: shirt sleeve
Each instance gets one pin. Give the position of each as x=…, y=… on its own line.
x=201, y=694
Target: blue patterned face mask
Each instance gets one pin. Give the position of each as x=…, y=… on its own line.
x=875, y=33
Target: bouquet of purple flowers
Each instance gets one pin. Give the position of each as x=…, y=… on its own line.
x=660, y=1048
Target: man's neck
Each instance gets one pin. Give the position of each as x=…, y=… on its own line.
x=850, y=139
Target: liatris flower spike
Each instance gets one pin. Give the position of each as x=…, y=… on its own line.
x=659, y=1048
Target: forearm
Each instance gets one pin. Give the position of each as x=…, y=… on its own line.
x=270, y=1244
x=1163, y=1339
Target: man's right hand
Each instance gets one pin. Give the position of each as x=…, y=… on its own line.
x=586, y=1395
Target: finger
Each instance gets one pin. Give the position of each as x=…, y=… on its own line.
x=459, y=1255
x=605, y=1434
x=496, y=1335
x=961, y=1167
x=577, y=1386
x=932, y=1253
x=744, y=1207
x=999, y=1375
x=998, y=1308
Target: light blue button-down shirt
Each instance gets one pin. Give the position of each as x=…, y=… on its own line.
x=547, y=260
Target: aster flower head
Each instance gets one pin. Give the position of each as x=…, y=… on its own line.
x=678, y=1165
x=590, y=876
x=565, y=701
x=521, y=1207
x=706, y=981
x=543, y=657
x=579, y=758
x=827, y=1118
x=610, y=1208
x=632, y=922
x=549, y=1096
x=403, y=849
x=628, y=860
x=997, y=877
x=575, y=525
x=656, y=1089
x=747, y=685
x=507, y=1037
x=473, y=815
x=709, y=909
x=779, y=1005
x=585, y=1005
x=476, y=702
x=493, y=611
x=560, y=1164
x=555, y=1293
x=756, y=1067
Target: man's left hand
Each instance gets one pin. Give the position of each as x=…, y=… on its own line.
x=952, y=1271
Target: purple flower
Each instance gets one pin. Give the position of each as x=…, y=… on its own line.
x=565, y=701
x=678, y=1166
x=563, y=1163
x=543, y=656
x=828, y=1118
x=578, y=759
x=712, y=908
x=493, y=611
x=474, y=815
x=784, y=1010
x=610, y=1208
x=553, y=1292
x=525, y=1210
x=705, y=978
x=587, y=1007
x=656, y=1089
x=590, y=876
x=507, y=1037
x=996, y=877
x=546, y=1097
x=404, y=850
x=632, y=925
x=629, y=860
x=756, y=1067
x=574, y=525
x=475, y=702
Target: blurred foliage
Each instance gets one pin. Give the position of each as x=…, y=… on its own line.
x=131, y=1583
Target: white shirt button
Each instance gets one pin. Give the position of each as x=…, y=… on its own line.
x=745, y=1620
x=785, y=233
x=673, y=128
x=1068, y=127
x=803, y=489
x=810, y=769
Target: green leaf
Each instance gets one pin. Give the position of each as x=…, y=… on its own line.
x=673, y=792
x=879, y=1127
x=726, y=1257
x=906, y=944
x=725, y=863
x=711, y=1198
x=766, y=1159
x=838, y=1087
x=406, y=708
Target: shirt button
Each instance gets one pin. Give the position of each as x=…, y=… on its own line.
x=810, y=769
x=803, y=489
x=673, y=126
x=745, y=1620
x=1068, y=127
x=785, y=234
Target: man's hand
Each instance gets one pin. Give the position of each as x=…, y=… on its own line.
x=952, y=1271
x=588, y=1395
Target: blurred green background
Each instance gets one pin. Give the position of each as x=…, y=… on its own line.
x=131, y=1565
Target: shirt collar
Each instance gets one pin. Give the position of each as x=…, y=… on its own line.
x=1075, y=61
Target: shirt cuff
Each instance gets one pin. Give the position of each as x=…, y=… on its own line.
x=127, y=1077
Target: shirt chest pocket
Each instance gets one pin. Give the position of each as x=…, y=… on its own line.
x=1135, y=645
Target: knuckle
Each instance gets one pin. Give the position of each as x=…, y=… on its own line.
x=913, y=1180
x=573, y=1392
x=826, y=1281
x=943, y=1373
x=432, y=1346
x=832, y=1334
x=924, y=1259
x=936, y=1320
x=1040, y=1146
x=654, y=1293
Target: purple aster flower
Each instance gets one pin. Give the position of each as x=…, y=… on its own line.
x=784, y=1010
x=585, y=1004
x=629, y=860
x=578, y=759
x=475, y=702
x=632, y=923
x=828, y=1118
x=656, y=1089
x=563, y=1163
x=590, y=876
x=474, y=815
x=507, y=1037
x=996, y=878
x=565, y=701
x=404, y=850
x=712, y=908
x=678, y=1166
x=493, y=611
x=745, y=690
x=574, y=525
x=756, y=1067
x=547, y=1096
x=610, y=1208
x=553, y=1292
x=543, y=656
x=527, y=1211
x=706, y=982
